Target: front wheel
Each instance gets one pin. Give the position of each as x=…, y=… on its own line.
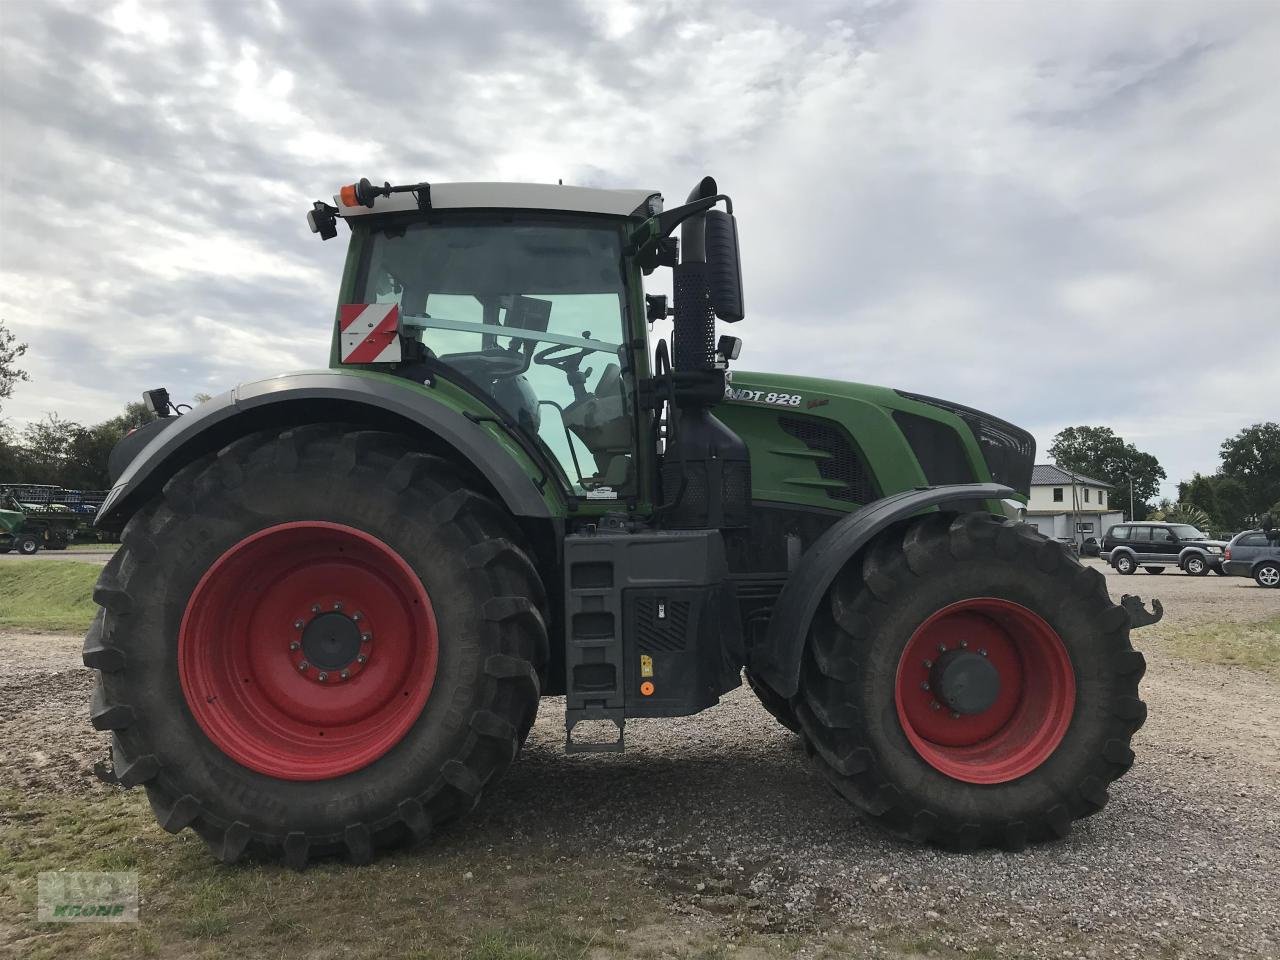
x=969, y=683
x=1196, y=566
x=1267, y=575
x=28, y=545
x=1125, y=564
x=317, y=642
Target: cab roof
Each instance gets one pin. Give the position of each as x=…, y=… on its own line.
x=519, y=196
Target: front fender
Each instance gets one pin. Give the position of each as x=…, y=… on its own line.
x=778, y=661
x=306, y=397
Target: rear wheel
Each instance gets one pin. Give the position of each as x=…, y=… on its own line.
x=1154, y=571
x=1125, y=564
x=1197, y=566
x=318, y=642
x=1267, y=575
x=970, y=684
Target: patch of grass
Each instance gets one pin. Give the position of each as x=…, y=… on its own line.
x=446, y=901
x=53, y=595
x=93, y=546
x=1252, y=645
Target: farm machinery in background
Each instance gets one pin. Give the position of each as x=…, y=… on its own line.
x=36, y=517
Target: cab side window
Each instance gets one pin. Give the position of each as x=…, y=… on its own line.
x=1142, y=534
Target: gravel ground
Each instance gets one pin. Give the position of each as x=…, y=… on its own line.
x=730, y=824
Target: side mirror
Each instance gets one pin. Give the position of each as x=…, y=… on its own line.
x=724, y=268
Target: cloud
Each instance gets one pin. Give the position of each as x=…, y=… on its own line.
x=1063, y=214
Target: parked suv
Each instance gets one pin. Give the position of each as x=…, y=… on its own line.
x=1253, y=554
x=1154, y=546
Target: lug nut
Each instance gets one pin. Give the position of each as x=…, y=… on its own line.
x=295, y=645
x=345, y=675
x=925, y=685
x=955, y=716
x=357, y=616
x=315, y=608
x=303, y=666
x=942, y=648
x=337, y=606
x=928, y=664
x=298, y=624
x=361, y=659
x=936, y=705
x=964, y=644
x=323, y=677
x=366, y=637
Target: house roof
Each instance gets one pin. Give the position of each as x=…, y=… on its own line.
x=1051, y=475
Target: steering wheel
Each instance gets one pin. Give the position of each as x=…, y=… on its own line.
x=568, y=364
x=492, y=364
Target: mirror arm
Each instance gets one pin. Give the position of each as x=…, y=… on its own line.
x=647, y=239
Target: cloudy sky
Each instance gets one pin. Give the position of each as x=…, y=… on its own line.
x=1060, y=213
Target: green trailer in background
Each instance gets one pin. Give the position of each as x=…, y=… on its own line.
x=37, y=517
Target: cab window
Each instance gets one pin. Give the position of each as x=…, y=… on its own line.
x=533, y=314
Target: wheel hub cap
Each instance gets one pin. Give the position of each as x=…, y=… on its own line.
x=331, y=641
x=965, y=682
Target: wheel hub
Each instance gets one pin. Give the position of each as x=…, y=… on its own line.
x=331, y=641
x=965, y=682
x=985, y=690
x=276, y=650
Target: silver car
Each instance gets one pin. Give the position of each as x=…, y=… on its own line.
x=1254, y=554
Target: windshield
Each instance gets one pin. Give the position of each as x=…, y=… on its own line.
x=1184, y=531
x=531, y=313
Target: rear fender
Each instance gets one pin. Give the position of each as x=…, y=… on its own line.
x=777, y=662
x=307, y=398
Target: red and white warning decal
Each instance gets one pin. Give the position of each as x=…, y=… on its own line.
x=369, y=332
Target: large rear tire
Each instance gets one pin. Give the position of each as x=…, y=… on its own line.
x=317, y=642
x=971, y=684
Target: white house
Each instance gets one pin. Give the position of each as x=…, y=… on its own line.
x=1068, y=506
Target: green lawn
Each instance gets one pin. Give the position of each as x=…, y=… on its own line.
x=450, y=900
x=47, y=595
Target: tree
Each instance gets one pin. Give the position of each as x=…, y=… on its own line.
x=1183, y=513
x=1252, y=457
x=1097, y=452
x=10, y=351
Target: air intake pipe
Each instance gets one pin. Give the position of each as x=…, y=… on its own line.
x=706, y=468
x=694, y=322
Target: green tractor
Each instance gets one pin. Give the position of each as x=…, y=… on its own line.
x=342, y=593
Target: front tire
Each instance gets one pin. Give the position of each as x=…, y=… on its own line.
x=882, y=701
x=1267, y=575
x=28, y=545
x=317, y=642
x=1196, y=566
x=1125, y=564
x=774, y=703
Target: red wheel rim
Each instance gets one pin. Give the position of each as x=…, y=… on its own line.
x=1024, y=721
x=307, y=650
